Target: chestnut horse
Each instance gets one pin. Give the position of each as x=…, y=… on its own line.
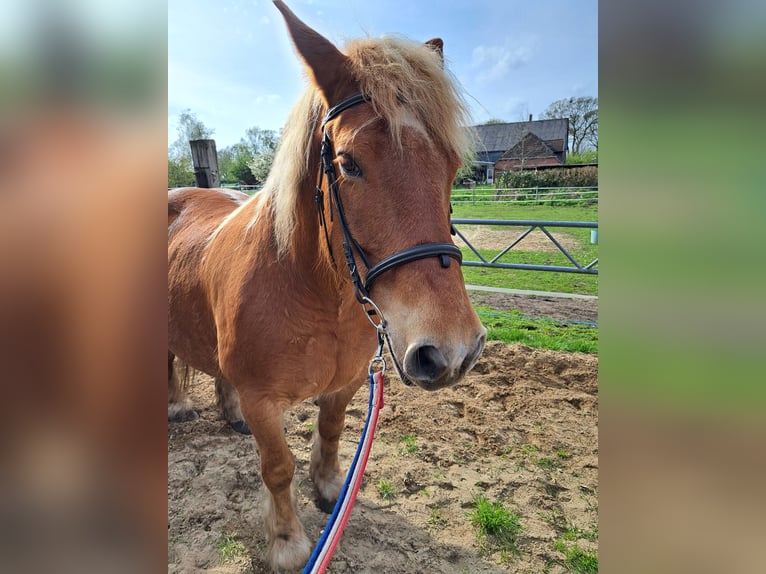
x=265, y=292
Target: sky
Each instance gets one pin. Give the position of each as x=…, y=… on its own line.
x=232, y=64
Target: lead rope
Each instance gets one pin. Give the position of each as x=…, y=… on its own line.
x=333, y=531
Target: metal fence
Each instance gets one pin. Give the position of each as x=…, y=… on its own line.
x=531, y=225
x=248, y=189
x=528, y=195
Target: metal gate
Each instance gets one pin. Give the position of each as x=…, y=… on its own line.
x=531, y=225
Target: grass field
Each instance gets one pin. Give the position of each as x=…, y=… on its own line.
x=513, y=327
x=510, y=210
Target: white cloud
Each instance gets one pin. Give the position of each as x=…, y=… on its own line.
x=516, y=109
x=268, y=99
x=494, y=62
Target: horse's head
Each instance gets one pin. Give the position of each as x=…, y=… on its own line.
x=395, y=154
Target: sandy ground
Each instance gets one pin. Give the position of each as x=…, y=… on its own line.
x=521, y=429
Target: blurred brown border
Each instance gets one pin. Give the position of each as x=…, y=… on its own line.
x=83, y=143
x=682, y=312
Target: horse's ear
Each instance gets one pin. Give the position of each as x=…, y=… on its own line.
x=437, y=45
x=325, y=63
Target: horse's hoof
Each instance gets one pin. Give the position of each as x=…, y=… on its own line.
x=184, y=416
x=240, y=427
x=325, y=505
x=289, y=553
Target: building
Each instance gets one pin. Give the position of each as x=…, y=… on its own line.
x=519, y=145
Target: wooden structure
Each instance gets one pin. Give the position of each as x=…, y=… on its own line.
x=205, y=161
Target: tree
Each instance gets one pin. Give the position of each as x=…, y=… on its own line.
x=180, y=172
x=587, y=156
x=189, y=128
x=254, y=154
x=583, y=120
x=225, y=165
x=260, y=166
x=233, y=164
x=180, y=169
x=259, y=141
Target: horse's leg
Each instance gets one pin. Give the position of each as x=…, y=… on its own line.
x=325, y=468
x=179, y=404
x=228, y=400
x=289, y=547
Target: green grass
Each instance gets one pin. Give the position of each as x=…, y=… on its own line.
x=409, y=444
x=500, y=210
x=480, y=191
x=496, y=524
x=577, y=560
x=228, y=547
x=575, y=533
x=513, y=327
x=385, y=490
x=553, y=281
x=547, y=463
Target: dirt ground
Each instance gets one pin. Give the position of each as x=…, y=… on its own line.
x=521, y=429
x=560, y=309
x=485, y=238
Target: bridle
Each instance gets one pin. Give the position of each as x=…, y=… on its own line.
x=444, y=251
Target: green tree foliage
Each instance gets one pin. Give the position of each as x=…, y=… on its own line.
x=261, y=165
x=233, y=164
x=586, y=176
x=587, y=156
x=465, y=171
x=180, y=169
x=189, y=128
x=583, y=121
x=259, y=141
x=180, y=172
x=249, y=161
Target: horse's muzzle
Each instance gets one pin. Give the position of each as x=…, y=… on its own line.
x=434, y=367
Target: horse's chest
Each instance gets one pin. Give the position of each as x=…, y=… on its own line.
x=344, y=352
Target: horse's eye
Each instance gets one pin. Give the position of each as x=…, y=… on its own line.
x=349, y=166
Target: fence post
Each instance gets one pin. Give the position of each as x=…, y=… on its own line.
x=205, y=161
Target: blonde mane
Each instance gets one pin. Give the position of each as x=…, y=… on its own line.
x=401, y=78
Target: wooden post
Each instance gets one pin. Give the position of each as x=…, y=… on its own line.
x=205, y=161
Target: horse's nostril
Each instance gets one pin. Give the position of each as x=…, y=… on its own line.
x=425, y=363
x=471, y=358
x=482, y=342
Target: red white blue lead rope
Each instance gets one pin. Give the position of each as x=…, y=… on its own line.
x=332, y=533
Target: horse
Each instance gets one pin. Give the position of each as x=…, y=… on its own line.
x=274, y=295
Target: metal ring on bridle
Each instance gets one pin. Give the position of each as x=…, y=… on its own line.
x=381, y=327
x=377, y=360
